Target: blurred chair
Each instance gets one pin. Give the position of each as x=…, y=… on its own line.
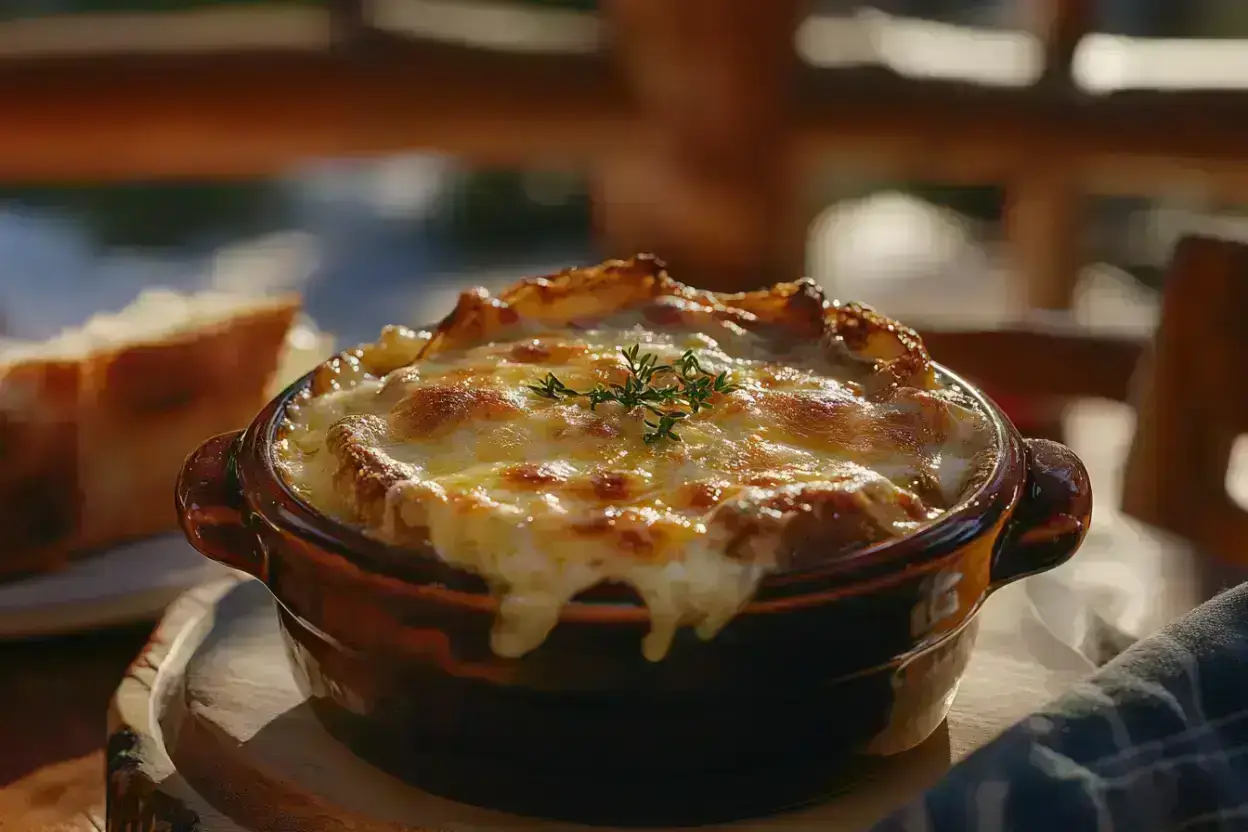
x=1186, y=386
x=1192, y=404
x=1051, y=360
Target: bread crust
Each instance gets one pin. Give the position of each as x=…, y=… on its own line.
x=799, y=308
x=90, y=446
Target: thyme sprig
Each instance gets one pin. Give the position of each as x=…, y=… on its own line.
x=662, y=429
x=551, y=388
x=693, y=388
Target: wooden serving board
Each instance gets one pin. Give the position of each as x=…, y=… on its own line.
x=208, y=733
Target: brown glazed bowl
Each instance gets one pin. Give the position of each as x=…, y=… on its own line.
x=824, y=670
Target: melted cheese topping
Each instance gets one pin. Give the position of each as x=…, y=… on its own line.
x=546, y=498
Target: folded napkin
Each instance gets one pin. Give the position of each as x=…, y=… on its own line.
x=1156, y=740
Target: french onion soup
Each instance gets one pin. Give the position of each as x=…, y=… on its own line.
x=611, y=424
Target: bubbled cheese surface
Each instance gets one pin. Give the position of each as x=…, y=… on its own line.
x=547, y=497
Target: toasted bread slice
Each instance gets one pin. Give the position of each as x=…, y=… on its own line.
x=38, y=462
x=96, y=422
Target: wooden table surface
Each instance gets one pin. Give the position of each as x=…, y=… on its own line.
x=54, y=696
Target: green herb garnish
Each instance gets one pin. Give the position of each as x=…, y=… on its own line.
x=551, y=388
x=662, y=429
x=693, y=388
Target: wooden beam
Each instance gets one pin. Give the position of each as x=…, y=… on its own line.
x=1057, y=360
x=713, y=189
x=1061, y=25
x=237, y=115
x=223, y=115
x=1044, y=205
x=953, y=131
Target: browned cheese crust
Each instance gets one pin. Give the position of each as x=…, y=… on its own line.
x=833, y=434
x=806, y=522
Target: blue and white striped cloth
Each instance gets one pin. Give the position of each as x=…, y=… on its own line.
x=1156, y=741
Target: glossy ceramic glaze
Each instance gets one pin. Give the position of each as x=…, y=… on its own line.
x=860, y=656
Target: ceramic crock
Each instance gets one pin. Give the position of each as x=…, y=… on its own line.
x=860, y=656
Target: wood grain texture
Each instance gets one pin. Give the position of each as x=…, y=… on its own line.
x=144, y=793
x=237, y=745
x=53, y=696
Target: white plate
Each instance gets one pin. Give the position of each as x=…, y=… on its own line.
x=125, y=585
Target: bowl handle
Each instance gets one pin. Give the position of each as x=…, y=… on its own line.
x=1052, y=515
x=210, y=507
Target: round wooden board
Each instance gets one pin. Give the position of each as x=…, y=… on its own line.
x=208, y=733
